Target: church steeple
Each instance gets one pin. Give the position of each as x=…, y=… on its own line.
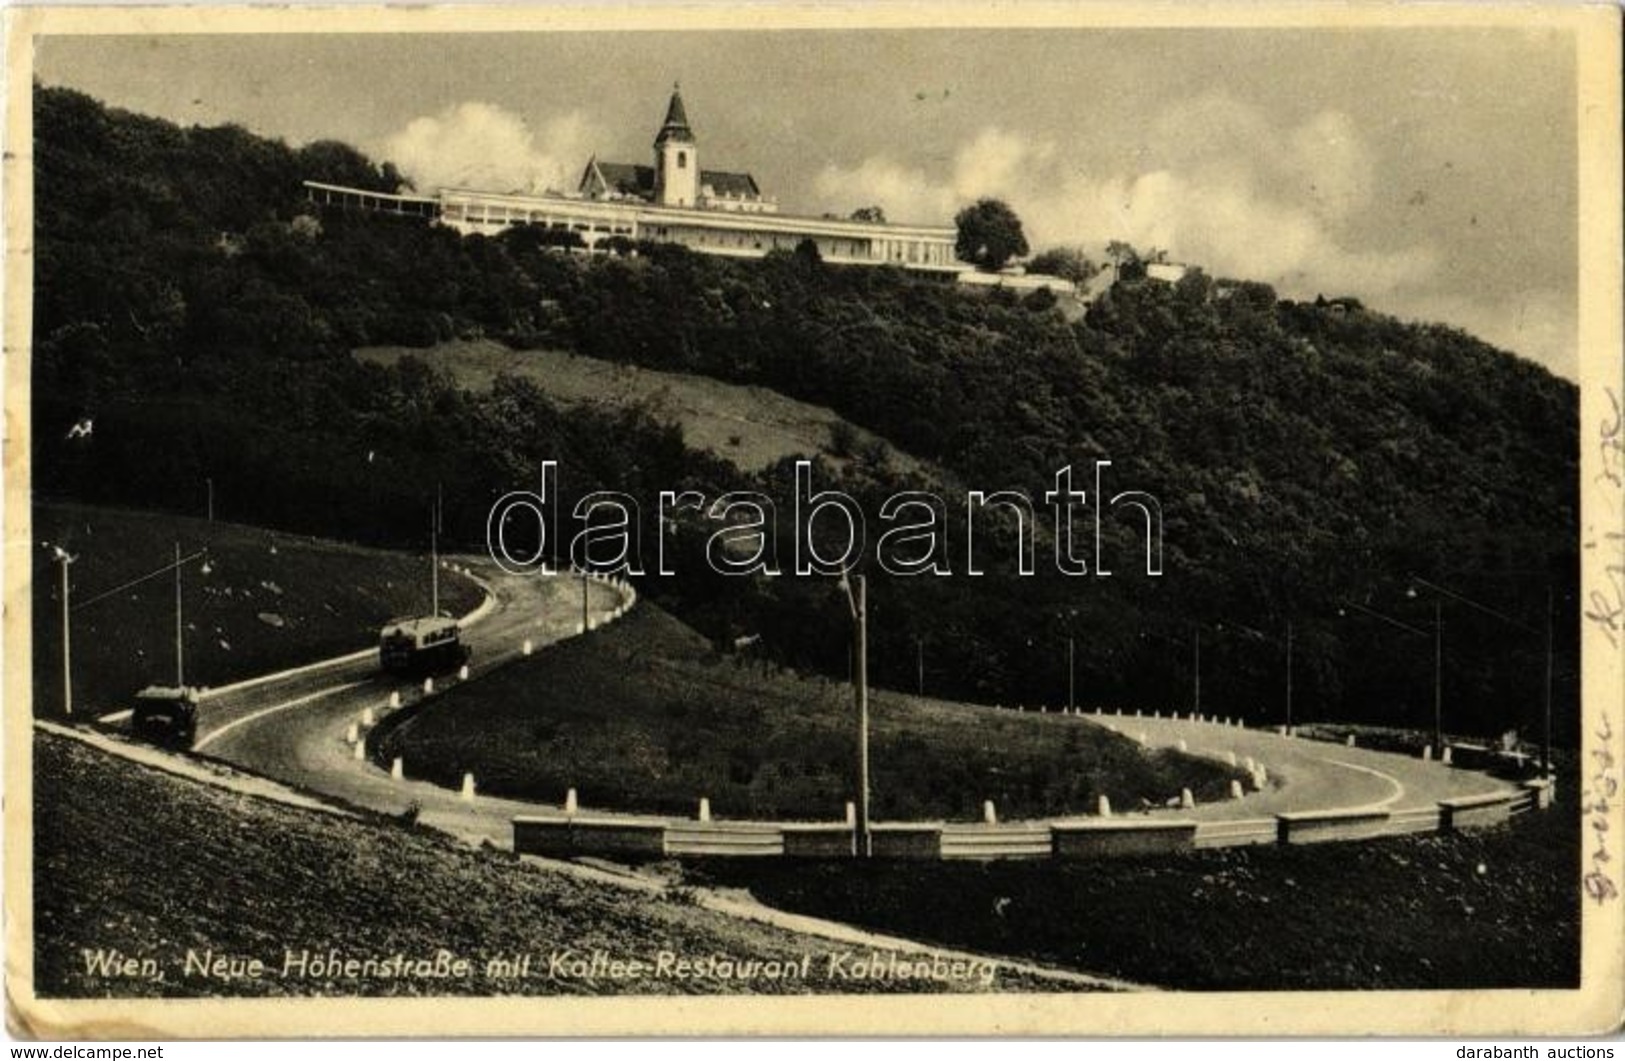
x=676, y=124
x=677, y=157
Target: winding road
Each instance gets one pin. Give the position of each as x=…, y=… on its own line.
x=293, y=728
x=1307, y=775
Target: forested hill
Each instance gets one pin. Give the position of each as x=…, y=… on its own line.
x=1306, y=454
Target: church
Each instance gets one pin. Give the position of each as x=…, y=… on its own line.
x=676, y=178
x=673, y=200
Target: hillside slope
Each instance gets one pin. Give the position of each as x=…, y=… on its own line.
x=201, y=869
x=750, y=427
x=260, y=601
x=1491, y=909
x=1305, y=455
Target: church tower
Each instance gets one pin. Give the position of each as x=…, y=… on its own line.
x=677, y=162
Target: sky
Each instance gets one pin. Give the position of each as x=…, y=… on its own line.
x=1430, y=173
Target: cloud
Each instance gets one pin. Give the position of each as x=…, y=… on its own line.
x=1215, y=182
x=480, y=145
x=907, y=194
x=998, y=163
x=1326, y=157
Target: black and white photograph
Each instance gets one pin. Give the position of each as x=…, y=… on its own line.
x=900, y=520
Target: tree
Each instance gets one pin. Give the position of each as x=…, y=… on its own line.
x=1068, y=263
x=872, y=214
x=1121, y=252
x=989, y=234
x=1195, y=286
x=1130, y=262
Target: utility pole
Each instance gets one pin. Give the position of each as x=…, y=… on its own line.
x=62, y=557
x=1289, y=675
x=180, y=643
x=1196, y=674
x=210, y=484
x=584, y=600
x=861, y=615
x=67, y=637
x=1071, y=674
x=1546, y=727
x=1438, y=653
x=919, y=666
x=1438, y=677
x=434, y=555
x=1546, y=693
x=180, y=619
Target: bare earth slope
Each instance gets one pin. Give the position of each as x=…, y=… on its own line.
x=260, y=880
x=752, y=427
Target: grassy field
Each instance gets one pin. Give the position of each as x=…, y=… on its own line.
x=153, y=866
x=643, y=716
x=751, y=427
x=1493, y=909
x=269, y=600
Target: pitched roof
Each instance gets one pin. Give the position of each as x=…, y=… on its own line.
x=625, y=178
x=629, y=178
x=722, y=182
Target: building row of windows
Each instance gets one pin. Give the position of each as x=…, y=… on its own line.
x=916, y=252
x=379, y=203
x=912, y=252
x=899, y=251
x=496, y=215
x=491, y=214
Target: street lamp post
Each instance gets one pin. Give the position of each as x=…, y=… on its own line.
x=1438, y=659
x=1546, y=697
x=1071, y=674
x=176, y=567
x=434, y=556
x=1259, y=635
x=1438, y=676
x=863, y=713
x=1289, y=676
x=1195, y=646
x=1546, y=693
x=67, y=642
x=1196, y=673
x=859, y=604
x=1068, y=620
x=180, y=644
x=62, y=557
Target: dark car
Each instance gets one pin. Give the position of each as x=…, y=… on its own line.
x=165, y=715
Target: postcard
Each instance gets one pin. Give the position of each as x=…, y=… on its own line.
x=814, y=520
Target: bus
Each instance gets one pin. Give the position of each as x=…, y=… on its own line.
x=423, y=646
